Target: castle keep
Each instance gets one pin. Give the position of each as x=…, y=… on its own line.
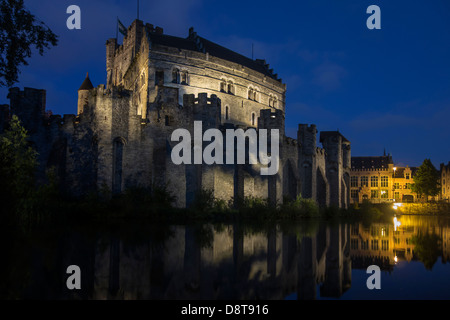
x=156, y=83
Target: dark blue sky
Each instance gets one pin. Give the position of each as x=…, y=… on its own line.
x=382, y=89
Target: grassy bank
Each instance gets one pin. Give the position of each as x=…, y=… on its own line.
x=431, y=208
x=156, y=205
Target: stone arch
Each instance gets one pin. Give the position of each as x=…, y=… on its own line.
x=118, y=156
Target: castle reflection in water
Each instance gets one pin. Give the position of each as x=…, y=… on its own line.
x=305, y=260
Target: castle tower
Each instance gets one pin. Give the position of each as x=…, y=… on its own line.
x=83, y=93
x=111, y=46
x=307, y=138
x=337, y=148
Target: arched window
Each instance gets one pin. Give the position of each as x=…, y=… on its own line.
x=230, y=87
x=250, y=93
x=223, y=86
x=270, y=100
x=184, y=77
x=175, y=76
x=275, y=102
x=253, y=119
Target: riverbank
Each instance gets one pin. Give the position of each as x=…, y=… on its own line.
x=155, y=206
x=432, y=208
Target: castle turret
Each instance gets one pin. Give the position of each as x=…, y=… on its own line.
x=83, y=93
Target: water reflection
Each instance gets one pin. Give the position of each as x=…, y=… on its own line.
x=306, y=260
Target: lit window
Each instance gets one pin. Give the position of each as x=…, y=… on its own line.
x=354, y=181
x=374, y=181
x=364, y=181
x=384, y=181
x=374, y=244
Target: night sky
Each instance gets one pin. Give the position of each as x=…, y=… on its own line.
x=385, y=89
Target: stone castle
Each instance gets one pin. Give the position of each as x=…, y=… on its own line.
x=156, y=83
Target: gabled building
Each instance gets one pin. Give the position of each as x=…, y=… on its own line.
x=377, y=179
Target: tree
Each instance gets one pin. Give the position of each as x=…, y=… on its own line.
x=426, y=180
x=17, y=166
x=19, y=32
x=427, y=248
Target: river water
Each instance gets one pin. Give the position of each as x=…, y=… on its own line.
x=310, y=259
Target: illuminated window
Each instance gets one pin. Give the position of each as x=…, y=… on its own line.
x=374, y=244
x=396, y=185
x=364, y=181
x=385, y=245
x=374, y=194
x=373, y=181
x=354, y=181
x=384, y=181
x=384, y=194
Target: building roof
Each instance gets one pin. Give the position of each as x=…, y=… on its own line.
x=87, y=84
x=381, y=162
x=196, y=43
